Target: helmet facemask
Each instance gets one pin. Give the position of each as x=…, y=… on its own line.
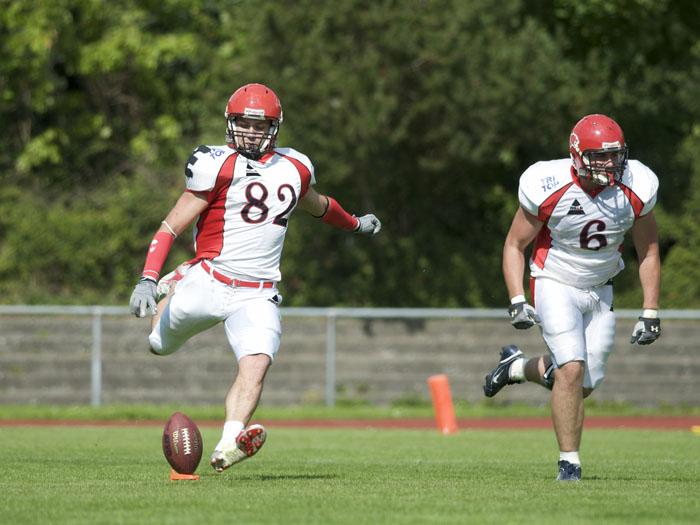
x=250, y=143
x=603, y=166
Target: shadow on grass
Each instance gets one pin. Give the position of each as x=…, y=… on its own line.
x=276, y=477
x=640, y=479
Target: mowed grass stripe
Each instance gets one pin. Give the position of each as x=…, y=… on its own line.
x=118, y=475
x=488, y=408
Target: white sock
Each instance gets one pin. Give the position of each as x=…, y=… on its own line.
x=517, y=370
x=230, y=433
x=571, y=457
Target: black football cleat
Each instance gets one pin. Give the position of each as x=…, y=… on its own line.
x=569, y=471
x=499, y=376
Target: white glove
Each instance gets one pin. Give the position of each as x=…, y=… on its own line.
x=368, y=224
x=143, y=298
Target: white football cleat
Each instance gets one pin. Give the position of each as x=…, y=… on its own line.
x=247, y=444
x=168, y=281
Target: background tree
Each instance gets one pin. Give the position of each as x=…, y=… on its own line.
x=425, y=111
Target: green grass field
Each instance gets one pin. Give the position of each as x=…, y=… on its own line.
x=118, y=475
x=488, y=408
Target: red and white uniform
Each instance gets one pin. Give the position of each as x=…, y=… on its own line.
x=240, y=235
x=242, y=231
x=580, y=242
x=577, y=253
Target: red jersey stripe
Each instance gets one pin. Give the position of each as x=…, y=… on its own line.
x=304, y=173
x=543, y=242
x=544, y=212
x=635, y=201
x=210, y=226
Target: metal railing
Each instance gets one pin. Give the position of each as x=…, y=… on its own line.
x=331, y=315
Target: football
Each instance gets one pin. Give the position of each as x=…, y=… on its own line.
x=182, y=443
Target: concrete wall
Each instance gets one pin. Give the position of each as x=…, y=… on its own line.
x=47, y=360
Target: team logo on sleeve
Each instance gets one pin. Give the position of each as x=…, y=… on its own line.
x=194, y=158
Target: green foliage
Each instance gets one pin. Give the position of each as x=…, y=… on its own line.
x=411, y=113
x=681, y=277
x=424, y=112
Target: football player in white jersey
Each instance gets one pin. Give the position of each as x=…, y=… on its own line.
x=241, y=195
x=577, y=212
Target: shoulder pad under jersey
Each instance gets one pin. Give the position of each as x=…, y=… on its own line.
x=204, y=165
x=297, y=155
x=540, y=180
x=643, y=182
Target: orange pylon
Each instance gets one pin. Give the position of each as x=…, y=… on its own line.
x=442, y=404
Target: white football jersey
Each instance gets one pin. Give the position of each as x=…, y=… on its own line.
x=580, y=243
x=242, y=231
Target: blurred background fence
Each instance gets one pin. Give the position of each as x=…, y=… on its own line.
x=98, y=354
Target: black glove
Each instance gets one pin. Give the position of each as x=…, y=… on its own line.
x=522, y=315
x=646, y=331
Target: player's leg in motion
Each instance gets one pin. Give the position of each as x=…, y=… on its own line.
x=253, y=331
x=563, y=332
x=562, y=311
x=194, y=308
x=578, y=377
x=567, y=399
x=166, y=288
x=567, y=417
x=514, y=367
x=239, y=442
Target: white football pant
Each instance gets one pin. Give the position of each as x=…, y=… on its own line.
x=577, y=325
x=251, y=316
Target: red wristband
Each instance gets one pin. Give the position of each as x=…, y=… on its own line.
x=336, y=216
x=157, y=253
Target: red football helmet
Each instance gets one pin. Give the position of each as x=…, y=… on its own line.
x=255, y=102
x=598, y=150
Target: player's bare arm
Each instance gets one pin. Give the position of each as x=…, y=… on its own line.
x=523, y=231
x=645, y=237
x=331, y=212
x=187, y=208
x=646, y=243
x=314, y=203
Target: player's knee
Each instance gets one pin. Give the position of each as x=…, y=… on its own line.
x=157, y=346
x=570, y=373
x=254, y=365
